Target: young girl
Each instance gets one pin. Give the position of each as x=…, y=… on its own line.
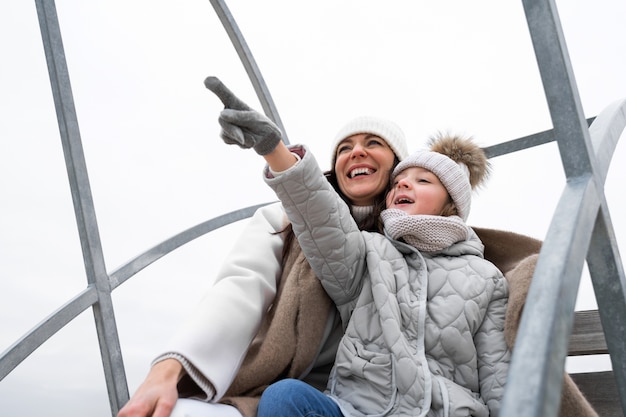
x=423, y=311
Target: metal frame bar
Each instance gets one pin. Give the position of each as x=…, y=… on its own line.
x=581, y=227
x=247, y=59
x=93, y=258
x=128, y=270
x=44, y=330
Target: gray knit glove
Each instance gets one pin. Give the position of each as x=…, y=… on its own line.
x=241, y=125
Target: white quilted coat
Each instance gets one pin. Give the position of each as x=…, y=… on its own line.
x=423, y=332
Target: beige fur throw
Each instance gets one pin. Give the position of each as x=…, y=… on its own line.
x=516, y=256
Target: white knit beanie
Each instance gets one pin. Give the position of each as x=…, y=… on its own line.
x=458, y=162
x=451, y=175
x=384, y=129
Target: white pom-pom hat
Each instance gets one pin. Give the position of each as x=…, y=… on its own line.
x=458, y=162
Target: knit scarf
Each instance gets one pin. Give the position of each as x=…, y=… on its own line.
x=424, y=232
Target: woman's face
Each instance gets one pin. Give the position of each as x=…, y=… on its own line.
x=418, y=191
x=363, y=164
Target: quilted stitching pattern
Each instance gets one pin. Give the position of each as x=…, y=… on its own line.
x=425, y=332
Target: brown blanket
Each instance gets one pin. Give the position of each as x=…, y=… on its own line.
x=516, y=256
x=290, y=334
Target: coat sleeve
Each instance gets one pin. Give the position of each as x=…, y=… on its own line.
x=493, y=354
x=215, y=337
x=326, y=231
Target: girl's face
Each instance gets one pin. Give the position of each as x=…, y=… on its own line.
x=363, y=164
x=418, y=191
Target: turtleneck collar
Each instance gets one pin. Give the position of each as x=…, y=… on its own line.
x=361, y=212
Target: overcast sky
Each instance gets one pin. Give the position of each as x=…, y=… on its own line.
x=157, y=166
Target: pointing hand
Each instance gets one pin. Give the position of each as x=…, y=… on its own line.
x=241, y=125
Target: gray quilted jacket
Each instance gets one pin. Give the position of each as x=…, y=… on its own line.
x=423, y=331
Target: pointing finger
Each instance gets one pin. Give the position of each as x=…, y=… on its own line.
x=227, y=97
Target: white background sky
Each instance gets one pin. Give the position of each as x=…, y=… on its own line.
x=157, y=166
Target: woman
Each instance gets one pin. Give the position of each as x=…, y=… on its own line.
x=234, y=344
x=423, y=310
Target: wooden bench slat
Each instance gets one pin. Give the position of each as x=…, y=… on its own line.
x=587, y=335
x=600, y=390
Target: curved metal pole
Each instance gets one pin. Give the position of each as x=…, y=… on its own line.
x=536, y=373
x=560, y=89
x=43, y=331
x=522, y=143
x=249, y=63
x=605, y=133
x=580, y=229
x=83, y=204
x=604, y=261
x=128, y=270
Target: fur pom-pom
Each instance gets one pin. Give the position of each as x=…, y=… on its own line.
x=463, y=150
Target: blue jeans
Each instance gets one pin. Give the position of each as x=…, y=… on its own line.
x=293, y=398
